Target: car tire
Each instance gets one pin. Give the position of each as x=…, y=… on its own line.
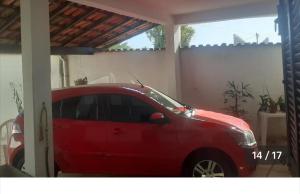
x=20, y=160
x=209, y=165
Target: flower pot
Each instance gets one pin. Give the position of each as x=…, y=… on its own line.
x=273, y=108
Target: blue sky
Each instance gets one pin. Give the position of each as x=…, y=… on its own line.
x=222, y=32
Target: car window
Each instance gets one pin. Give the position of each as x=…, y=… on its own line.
x=80, y=108
x=140, y=111
x=123, y=108
x=118, y=108
x=103, y=113
x=87, y=108
x=69, y=106
x=166, y=101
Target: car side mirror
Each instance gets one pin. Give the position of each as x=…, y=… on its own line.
x=158, y=118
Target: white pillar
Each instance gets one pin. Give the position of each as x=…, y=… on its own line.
x=173, y=40
x=37, y=83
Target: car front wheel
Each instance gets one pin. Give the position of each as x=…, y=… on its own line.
x=209, y=165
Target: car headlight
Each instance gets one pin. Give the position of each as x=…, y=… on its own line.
x=244, y=138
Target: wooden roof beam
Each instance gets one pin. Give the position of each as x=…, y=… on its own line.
x=116, y=40
x=87, y=29
x=90, y=42
x=10, y=21
x=16, y=49
x=61, y=9
x=10, y=7
x=77, y=20
x=102, y=43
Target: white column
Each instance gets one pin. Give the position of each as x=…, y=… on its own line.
x=173, y=39
x=37, y=84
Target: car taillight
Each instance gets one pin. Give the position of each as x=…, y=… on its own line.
x=16, y=129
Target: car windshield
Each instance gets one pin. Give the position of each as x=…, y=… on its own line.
x=167, y=102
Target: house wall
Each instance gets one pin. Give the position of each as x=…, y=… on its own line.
x=204, y=74
x=11, y=71
x=206, y=71
x=111, y=67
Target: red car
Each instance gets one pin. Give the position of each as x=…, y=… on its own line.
x=134, y=130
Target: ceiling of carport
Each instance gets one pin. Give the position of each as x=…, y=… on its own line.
x=72, y=25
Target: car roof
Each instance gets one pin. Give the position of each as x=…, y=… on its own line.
x=105, y=86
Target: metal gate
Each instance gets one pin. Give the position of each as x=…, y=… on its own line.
x=289, y=29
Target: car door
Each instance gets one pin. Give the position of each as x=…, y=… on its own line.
x=79, y=135
x=135, y=145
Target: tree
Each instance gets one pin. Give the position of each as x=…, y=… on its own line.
x=120, y=46
x=157, y=36
x=187, y=33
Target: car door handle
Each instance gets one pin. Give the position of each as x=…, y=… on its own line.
x=117, y=131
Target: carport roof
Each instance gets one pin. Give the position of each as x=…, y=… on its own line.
x=72, y=25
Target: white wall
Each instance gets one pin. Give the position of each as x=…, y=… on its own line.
x=148, y=66
x=11, y=71
x=204, y=74
x=206, y=70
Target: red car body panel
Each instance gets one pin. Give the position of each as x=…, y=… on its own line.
x=144, y=149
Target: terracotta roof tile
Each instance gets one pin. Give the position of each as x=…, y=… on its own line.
x=73, y=25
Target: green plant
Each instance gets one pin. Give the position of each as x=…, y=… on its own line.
x=264, y=104
x=272, y=104
x=281, y=103
x=235, y=95
x=268, y=104
x=120, y=46
x=157, y=35
x=16, y=96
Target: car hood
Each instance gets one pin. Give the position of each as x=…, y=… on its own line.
x=220, y=118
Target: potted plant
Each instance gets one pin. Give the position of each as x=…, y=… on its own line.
x=281, y=104
x=264, y=104
x=235, y=95
x=272, y=105
x=81, y=81
x=268, y=104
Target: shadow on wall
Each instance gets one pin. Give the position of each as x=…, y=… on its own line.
x=206, y=70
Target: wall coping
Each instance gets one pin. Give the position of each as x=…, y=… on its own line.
x=224, y=45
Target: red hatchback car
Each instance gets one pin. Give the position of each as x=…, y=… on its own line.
x=134, y=130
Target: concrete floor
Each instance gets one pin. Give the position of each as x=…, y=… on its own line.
x=261, y=171
x=271, y=171
x=2, y=159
